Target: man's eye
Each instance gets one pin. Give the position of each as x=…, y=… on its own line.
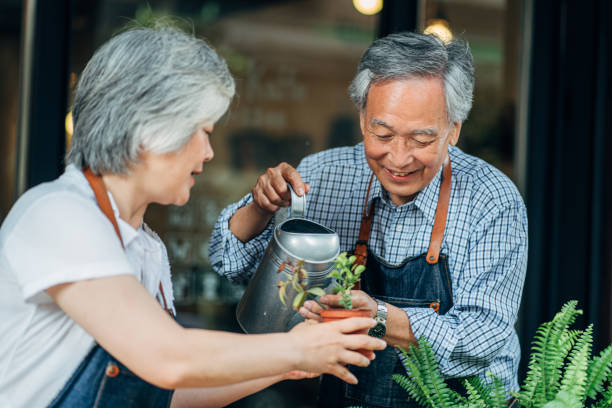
x=382, y=136
x=423, y=141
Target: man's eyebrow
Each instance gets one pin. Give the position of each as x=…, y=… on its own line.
x=378, y=122
x=426, y=131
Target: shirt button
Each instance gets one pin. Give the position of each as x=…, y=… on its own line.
x=398, y=228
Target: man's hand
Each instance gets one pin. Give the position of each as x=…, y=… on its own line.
x=269, y=194
x=271, y=191
x=360, y=299
x=328, y=347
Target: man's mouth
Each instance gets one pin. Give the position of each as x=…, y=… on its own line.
x=400, y=173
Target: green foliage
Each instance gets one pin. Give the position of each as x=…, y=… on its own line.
x=347, y=274
x=297, y=280
x=426, y=384
x=561, y=373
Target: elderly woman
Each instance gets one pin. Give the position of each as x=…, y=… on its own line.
x=82, y=277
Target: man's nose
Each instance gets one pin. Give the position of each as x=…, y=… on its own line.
x=401, y=152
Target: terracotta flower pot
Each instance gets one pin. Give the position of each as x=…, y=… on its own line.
x=331, y=315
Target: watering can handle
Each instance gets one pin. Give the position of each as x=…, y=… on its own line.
x=298, y=204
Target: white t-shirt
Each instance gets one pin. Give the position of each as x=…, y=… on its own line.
x=56, y=233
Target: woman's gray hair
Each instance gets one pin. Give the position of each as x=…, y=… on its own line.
x=410, y=55
x=145, y=89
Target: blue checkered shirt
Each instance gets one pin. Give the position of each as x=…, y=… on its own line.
x=485, y=241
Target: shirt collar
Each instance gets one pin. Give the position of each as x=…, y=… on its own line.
x=128, y=233
x=425, y=201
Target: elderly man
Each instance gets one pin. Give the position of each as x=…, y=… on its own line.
x=444, y=234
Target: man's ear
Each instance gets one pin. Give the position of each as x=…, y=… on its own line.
x=453, y=136
x=362, y=122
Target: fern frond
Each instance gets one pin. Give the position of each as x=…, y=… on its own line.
x=499, y=398
x=550, y=346
x=606, y=399
x=527, y=396
x=575, y=377
x=564, y=399
x=413, y=388
x=415, y=385
x=493, y=394
x=553, y=352
x=599, y=369
x=441, y=392
x=429, y=387
x=474, y=391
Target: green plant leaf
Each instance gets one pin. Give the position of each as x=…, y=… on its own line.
x=282, y=293
x=564, y=399
x=298, y=301
x=575, y=376
x=599, y=369
x=316, y=291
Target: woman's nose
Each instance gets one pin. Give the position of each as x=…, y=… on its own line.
x=207, y=152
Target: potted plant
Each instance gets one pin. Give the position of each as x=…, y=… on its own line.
x=345, y=274
x=296, y=282
x=561, y=373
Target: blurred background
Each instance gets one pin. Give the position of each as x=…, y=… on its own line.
x=541, y=101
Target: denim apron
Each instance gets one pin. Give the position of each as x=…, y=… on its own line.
x=101, y=380
x=420, y=281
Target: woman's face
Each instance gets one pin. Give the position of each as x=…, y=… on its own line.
x=167, y=178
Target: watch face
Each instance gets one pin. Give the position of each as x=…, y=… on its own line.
x=378, y=331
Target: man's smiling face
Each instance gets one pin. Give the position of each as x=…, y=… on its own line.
x=406, y=133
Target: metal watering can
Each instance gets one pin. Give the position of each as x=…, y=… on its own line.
x=295, y=239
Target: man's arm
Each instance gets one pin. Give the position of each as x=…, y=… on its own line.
x=243, y=230
x=486, y=297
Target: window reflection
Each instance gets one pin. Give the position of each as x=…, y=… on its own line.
x=10, y=34
x=492, y=28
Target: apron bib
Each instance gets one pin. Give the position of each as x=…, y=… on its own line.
x=421, y=281
x=100, y=380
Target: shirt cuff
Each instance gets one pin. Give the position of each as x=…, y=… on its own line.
x=425, y=322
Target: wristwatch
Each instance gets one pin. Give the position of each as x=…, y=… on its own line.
x=381, y=320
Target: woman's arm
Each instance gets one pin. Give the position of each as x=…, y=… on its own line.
x=221, y=396
x=127, y=322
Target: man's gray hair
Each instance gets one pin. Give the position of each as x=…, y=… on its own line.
x=145, y=89
x=410, y=55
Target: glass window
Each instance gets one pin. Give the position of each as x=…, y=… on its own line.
x=10, y=37
x=492, y=28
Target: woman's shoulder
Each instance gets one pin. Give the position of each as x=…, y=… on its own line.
x=58, y=201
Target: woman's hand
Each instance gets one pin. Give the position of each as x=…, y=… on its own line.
x=360, y=299
x=329, y=347
x=271, y=191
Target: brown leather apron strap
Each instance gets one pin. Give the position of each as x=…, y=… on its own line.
x=100, y=192
x=361, y=247
x=437, y=232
